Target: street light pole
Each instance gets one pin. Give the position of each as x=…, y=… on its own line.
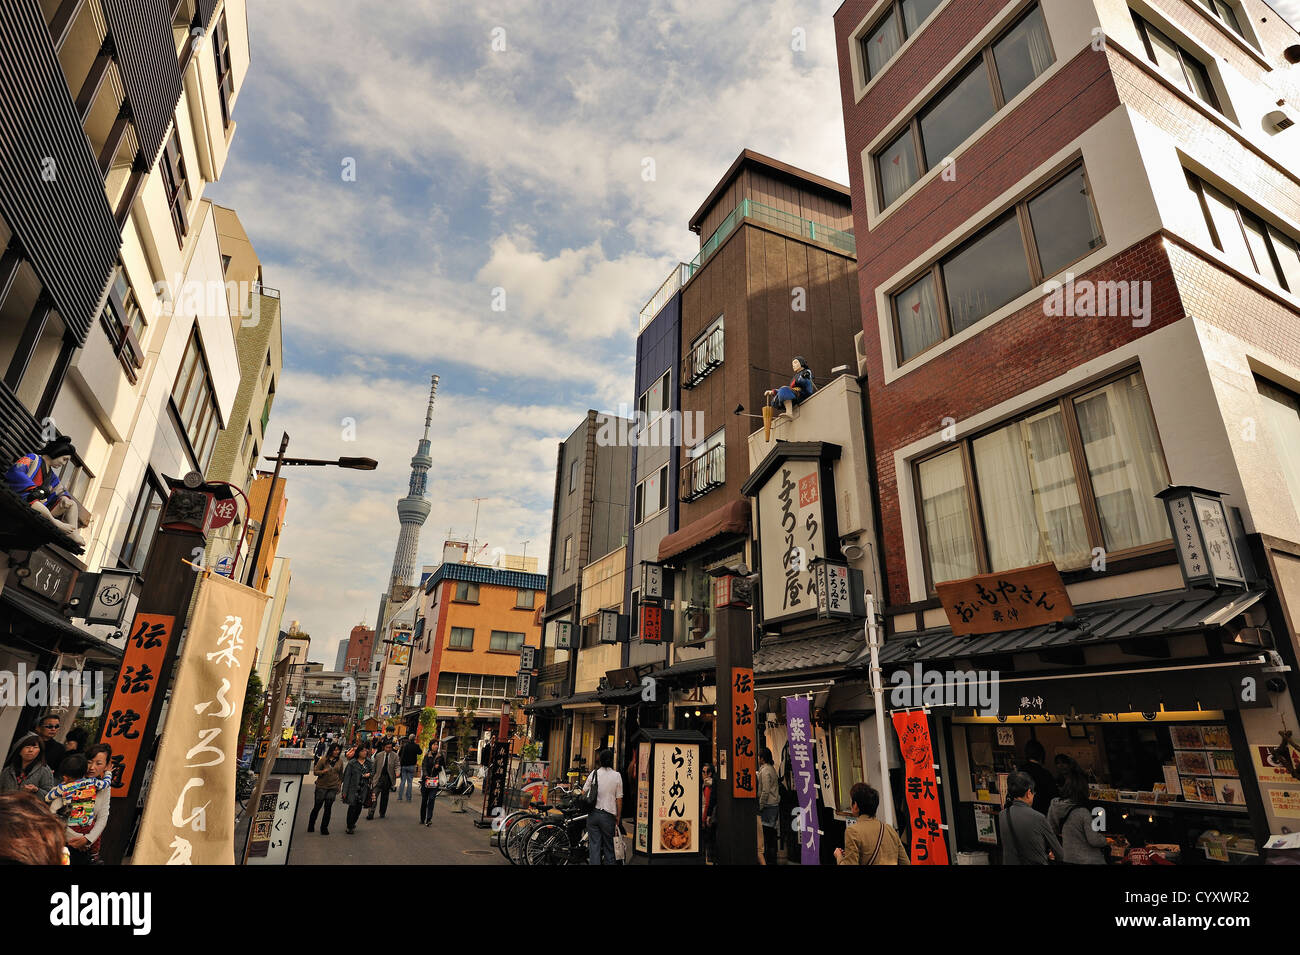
x=266, y=512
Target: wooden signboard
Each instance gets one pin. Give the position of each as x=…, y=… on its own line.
x=1010, y=600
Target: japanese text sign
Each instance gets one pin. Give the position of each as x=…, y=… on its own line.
x=652, y=623
x=791, y=536
x=133, y=694
x=803, y=770
x=1011, y=600
x=923, y=812
x=744, y=734
x=675, y=827
x=187, y=818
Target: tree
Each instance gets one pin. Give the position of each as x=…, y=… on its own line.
x=465, y=732
x=253, y=705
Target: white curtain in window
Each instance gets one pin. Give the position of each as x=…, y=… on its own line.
x=883, y=44
x=1125, y=463
x=947, y=517
x=898, y=171
x=918, y=318
x=1040, y=51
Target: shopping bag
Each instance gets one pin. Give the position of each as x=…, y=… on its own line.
x=620, y=847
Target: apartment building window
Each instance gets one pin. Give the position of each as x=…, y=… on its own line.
x=124, y=322
x=651, y=495
x=1078, y=474
x=656, y=398
x=985, y=85
x=705, y=355
x=707, y=467
x=1222, y=10
x=1185, y=70
x=461, y=689
x=466, y=592
x=221, y=54
x=144, y=521
x=568, y=551
x=75, y=477
x=573, y=474
x=461, y=638
x=248, y=439
x=1282, y=412
x=195, y=404
x=1250, y=243
x=887, y=35
x=1035, y=239
x=525, y=599
x=506, y=640
x=266, y=407
x=176, y=183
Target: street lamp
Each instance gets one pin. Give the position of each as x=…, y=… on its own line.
x=354, y=464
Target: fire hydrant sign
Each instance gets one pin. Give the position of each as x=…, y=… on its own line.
x=923, y=813
x=743, y=753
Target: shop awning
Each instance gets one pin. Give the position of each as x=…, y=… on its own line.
x=731, y=518
x=1113, y=621
x=70, y=638
x=792, y=655
x=687, y=671
x=21, y=527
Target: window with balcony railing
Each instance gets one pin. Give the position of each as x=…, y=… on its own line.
x=706, y=469
x=705, y=355
x=124, y=322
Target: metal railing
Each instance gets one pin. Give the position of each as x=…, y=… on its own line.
x=701, y=361
x=702, y=474
x=777, y=219
x=667, y=290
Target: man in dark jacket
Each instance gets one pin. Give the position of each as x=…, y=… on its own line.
x=409, y=758
x=54, y=751
x=1026, y=837
x=1044, y=785
x=356, y=783
x=385, y=777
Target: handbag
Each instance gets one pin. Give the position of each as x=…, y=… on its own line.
x=620, y=846
x=369, y=801
x=590, y=802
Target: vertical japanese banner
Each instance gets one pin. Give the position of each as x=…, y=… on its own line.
x=824, y=773
x=923, y=812
x=134, y=692
x=798, y=721
x=744, y=739
x=189, y=815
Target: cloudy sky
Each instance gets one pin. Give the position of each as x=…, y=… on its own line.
x=561, y=169
x=550, y=151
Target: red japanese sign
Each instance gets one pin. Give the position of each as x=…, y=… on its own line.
x=1011, y=600
x=808, y=493
x=134, y=692
x=928, y=845
x=652, y=624
x=223, y=512
x=744, y=734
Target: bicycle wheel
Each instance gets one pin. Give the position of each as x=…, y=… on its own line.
x=548, y=845
x=507, y=824
x=518, y=839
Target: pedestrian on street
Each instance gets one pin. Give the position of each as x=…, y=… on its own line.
x=78, y=792
x=29, y=834
x=1026, y=836
x=356, y=784
x=870, y=841
x=431, y=771
x=100, y=757
x=409, y=758
x=605, y=787
x=329, y=780
x=708, y=812
x=385, y=777
x=1071, y=820
x=54, y=751
x=321, y=748
x=1044, y=785
x=25, y=768
x=769, y=804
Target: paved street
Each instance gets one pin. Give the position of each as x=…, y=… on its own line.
x=396, y=839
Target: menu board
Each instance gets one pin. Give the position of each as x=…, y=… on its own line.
x=675, y=823
x=1205, y=765
x=643, y=797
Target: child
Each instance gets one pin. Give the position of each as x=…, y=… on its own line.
x=78, y=793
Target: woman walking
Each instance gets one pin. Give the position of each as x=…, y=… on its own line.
x=431, y=770
x=1071, y=819
x=26, y=768
x=329, y=780
x=356, y=784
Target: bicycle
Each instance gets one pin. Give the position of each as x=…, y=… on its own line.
x=562, y=842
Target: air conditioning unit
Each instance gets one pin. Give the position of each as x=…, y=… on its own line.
x=859, y=347
x=1279, y=119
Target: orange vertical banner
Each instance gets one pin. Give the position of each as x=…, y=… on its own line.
x=923, y=811
x=744, y=734
x=137, y=685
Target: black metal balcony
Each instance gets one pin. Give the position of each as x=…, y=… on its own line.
x=702, y=474
x=702, y=360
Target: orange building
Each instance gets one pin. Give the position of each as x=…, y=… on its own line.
x=473, y=621
x=271, y=539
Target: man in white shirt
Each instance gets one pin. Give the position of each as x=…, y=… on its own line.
x=603, y=821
